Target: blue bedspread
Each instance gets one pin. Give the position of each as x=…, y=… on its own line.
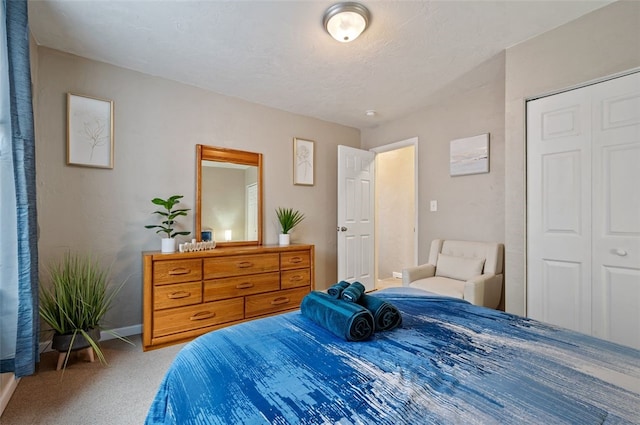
x=450, y=362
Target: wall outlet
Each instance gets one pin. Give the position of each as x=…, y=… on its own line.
x=433, y=206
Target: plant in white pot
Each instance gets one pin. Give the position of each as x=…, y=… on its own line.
x=288, y=218
x=169, y=215
x=74, y=302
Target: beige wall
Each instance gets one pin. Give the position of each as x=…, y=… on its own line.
x=599, y=44
x=157, y=125
x=469, y=207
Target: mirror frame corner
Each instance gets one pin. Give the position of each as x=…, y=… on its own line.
x=212, y=153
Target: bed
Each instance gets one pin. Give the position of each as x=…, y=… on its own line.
x=449, y=362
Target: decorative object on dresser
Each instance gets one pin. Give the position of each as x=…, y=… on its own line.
x=169, y=221
x=189, y=294
x=74, y=303
x=196, y=246
x=288, y=218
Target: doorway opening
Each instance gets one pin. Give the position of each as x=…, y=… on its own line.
x=396, y=218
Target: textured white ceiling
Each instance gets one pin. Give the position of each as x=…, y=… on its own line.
x=276, y=53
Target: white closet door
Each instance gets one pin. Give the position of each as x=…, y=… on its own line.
x=583, y=209
x=616, y=210
x=559, y=210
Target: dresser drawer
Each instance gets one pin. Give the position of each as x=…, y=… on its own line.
x=273, y=302
x=219, y=289
x=295, y=260
x=240, y=265
x=295, y=278
x=175, y=271
x=177, y=295
x=181, y=319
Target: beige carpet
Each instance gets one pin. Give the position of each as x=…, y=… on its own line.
x=91, y=393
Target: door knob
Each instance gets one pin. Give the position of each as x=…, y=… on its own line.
x=342, y=229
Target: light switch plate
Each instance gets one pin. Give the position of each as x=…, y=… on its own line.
x=433, y=206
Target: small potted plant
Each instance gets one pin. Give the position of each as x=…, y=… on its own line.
x=74, y=303
x=167, y=226
x=288, y=218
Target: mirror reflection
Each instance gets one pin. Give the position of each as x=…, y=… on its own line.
x=228, y=195
x=231, y=214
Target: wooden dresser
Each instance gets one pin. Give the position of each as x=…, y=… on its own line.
x=189, y=294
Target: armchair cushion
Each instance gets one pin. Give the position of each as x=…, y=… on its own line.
x=441, y=285
x=460, y=268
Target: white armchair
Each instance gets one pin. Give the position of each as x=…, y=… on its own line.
x=461, y=269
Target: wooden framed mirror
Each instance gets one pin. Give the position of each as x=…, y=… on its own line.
x=229, y=195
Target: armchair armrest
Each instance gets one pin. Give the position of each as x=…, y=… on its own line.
x=484, y=290
x=419, y=272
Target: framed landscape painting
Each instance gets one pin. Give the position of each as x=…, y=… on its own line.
x=469, y=155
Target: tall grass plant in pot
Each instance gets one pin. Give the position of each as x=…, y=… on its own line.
x=75, y=301
x=288, y=218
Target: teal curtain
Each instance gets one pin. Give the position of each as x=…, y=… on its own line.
x=18, y=240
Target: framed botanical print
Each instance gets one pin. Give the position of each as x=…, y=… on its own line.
x=303, y=162
x=89, y=131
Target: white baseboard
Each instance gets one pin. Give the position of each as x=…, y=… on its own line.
x=8, y=384
x=44, y=346
x=126, y=331
x=104, y=336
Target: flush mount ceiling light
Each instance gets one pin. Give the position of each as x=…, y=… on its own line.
x=346, y=21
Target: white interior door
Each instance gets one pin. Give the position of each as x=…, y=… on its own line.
x=616, y=210
x=583, y=209
x=356, y=215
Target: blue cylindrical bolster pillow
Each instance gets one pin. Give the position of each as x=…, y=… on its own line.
x=353, y=292
x=385, y=315
x=349, y=321
x=336, y=290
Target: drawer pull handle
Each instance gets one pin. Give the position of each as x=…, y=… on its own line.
x=245, y=265
x=178, y=295
x=280, y=301
x=244, y=285
x=296, y=278
x=203, y=315
x=179, y=271
x=295, y=260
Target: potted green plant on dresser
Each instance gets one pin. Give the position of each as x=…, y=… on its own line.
x=288, y=218
x=167, y=226
x=74, y=303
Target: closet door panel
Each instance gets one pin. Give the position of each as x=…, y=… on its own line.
x=616, y=210
x=559, y=210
